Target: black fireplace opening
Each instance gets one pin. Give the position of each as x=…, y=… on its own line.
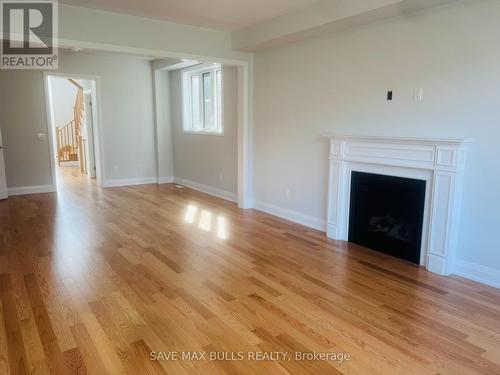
x=386, y=214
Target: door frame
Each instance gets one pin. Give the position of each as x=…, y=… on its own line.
x=96, y=121
x=87, y=94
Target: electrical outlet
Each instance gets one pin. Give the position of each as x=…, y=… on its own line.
x=115, y=168
x=418, y=94
x=221, y=177
x=287, y=192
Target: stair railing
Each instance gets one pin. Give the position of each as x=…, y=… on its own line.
x=66, y=143
x=78, y=118
x=70, y=143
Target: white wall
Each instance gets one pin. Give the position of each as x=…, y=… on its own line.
x=27, y=156
x=126, y=105
x=337, y=84
x=22, y=117
x=164, y=137
x=210, y=160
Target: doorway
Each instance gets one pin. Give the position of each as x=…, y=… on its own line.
x=243, y=118
x=72, y=112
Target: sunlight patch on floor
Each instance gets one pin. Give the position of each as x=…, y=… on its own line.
x=206, y=221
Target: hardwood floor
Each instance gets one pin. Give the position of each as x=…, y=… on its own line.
x=104, y=281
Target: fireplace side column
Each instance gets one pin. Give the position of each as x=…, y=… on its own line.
x=445, y=209
x=336, y=218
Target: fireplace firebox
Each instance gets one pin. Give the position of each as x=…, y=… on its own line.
x=386, y=214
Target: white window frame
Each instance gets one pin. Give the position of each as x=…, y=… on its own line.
x=187, y=122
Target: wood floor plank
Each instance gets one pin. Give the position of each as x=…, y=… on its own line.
x=101, y=280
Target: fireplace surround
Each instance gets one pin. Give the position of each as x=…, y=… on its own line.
x=438, y=162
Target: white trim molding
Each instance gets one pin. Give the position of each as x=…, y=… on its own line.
x=96, y=118
x=130, y=181
x=216, y=192
x=439, y=162
x=477, y=272
x=296, y=217
x=36, y=189
x=69, y=164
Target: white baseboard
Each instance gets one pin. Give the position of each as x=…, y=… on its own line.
x=36, y=189
x=296, y=217
x=219, y=193
x=130, y=181
x=477, y=272
x=69, y=164
x=166, y=180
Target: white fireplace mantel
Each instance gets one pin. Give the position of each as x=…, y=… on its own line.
x=439, y=162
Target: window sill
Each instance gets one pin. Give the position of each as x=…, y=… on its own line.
x=221, y=134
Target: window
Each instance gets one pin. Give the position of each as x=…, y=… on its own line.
x=202, y=99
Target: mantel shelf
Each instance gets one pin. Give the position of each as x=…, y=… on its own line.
x=387, y=139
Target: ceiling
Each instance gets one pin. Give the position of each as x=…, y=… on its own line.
x=219, y=14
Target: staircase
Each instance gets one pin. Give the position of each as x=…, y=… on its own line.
x=71, y=146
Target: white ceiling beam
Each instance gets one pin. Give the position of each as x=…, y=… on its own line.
x=172, y=64
x=323, y=17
